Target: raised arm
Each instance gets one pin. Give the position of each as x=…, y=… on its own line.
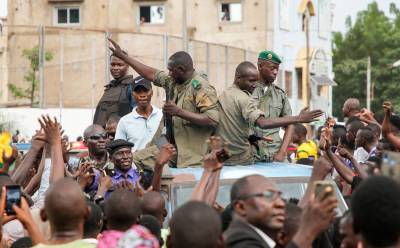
x=166, y=153
x=52, y=129
x=143, y=70
x=303, y=117
x=345, y=172
x=361, y=172
x=206, y=189
x=386, y=129
x=38, y=141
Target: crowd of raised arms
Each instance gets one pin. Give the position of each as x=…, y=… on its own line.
x=111, y=194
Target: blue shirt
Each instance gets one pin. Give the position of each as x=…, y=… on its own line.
x=132, y=176
x=137, y=129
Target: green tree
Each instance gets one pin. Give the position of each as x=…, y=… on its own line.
x=376, y=35
x=31, y=76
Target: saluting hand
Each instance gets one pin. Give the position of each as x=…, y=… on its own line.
x=116, y=49
x=170, y=108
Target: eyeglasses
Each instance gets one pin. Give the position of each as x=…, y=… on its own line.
x=98, y=136
x=270, y=195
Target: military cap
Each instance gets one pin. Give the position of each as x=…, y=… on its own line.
x=141, y=82
x=114, y=145
x=270, y=56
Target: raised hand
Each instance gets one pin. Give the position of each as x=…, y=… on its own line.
x=321, y=168
x=51, y=128
x=306, y=116
x=116, y=49
x=387, y=107
x=86, y=174
x=166, y=153
x=39, y=139
x=212, y=160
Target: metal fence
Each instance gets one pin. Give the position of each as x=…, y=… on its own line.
x=79, y=68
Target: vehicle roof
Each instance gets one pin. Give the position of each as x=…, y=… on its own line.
x=270, y=170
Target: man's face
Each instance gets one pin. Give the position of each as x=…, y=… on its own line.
x=260, y=211
x=118, y=67
x=350, y=135
x=142, y=96
x=96, y=141
x=359, y=139
x=122, y=159
x=111, y=128
x=248, y=81
x=177, y=73
x=268, y=70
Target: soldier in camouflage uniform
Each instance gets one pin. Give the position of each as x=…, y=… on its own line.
x=193, y=104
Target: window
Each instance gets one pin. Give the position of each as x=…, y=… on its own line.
x=284, y=14
x=67, y=16
x=288, y=83
x=230, y=12
x=299, y=74
x=153, y=14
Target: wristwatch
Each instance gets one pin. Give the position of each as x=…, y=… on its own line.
x=98, y=199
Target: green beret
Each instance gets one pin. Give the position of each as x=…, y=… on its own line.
x=270, y=56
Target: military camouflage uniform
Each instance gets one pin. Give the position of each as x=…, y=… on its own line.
x=271, y=102
x=198, y=96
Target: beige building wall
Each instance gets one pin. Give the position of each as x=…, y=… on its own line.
x=85, y=47
x=3, y=61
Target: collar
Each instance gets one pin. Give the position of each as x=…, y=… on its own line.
x=136, y=115
x=270, y=242
x=131, y=173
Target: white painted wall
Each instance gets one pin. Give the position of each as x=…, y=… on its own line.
x=73, y=120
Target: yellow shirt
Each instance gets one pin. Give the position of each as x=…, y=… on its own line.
x=308, y=150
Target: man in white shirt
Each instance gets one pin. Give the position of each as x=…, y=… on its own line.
x=139, y=126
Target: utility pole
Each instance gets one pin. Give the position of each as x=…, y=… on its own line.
x=307, y=68
x=185, y=40
x=41, y=66
x=61, y=86
x=369, y=83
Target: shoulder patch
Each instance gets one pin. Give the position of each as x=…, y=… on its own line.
x=196, y=84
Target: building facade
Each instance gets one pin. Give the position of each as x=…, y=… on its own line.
x=219, y=34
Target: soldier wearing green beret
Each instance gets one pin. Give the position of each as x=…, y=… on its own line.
x=193, y=105
x=271, y=101
x=234, y=127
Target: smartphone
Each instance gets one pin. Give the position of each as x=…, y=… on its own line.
x=222, y=155
x=321, y=186
x=13, y=196
x=109, y=169
x=391, y=165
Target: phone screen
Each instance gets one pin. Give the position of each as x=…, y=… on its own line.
x=13, y=196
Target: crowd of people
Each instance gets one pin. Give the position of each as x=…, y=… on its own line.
x=111, y=194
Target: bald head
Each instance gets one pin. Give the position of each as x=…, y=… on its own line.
x=92, y=129
x=196, y=225
x=243, y=67
x=246, y=76
x=153, y=203
x=351, y=107
x=249, y=185
x=181, y=59
x=65, y=206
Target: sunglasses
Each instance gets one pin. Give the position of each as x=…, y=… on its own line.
x=270, y=195
x=98, y=136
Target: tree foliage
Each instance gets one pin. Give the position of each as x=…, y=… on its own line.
x=376, y=35
x=31, y=76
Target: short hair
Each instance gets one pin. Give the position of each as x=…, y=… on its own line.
x=355, y=124
x=195, y=224
x=352, y=104
x=339, y=131
x=239, y=188
x=368, y=135
x=375, y=128
x=183, y=59
x=300, y=129
x=153, y=225
x=25, y=242
x=122, y=210
x=90, y=129
x=243, y=66
x=376, y=211
x=113, y=54
x=92, y=225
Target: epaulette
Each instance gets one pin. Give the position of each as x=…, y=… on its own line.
x=196, y=84
x=279, y=88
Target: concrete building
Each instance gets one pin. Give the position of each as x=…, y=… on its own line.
x=220, y=34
